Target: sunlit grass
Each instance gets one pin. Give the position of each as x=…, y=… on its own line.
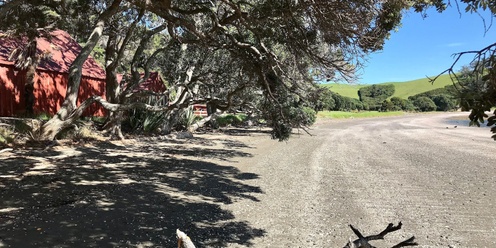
x=362, y=114
x=402, y=89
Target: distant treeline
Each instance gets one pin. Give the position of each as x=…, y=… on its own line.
x=378, y=98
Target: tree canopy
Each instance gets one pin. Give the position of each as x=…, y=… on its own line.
x=264, y=55
x=375, y=94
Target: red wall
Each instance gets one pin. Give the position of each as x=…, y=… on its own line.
x=9, y=92
x=49, y=92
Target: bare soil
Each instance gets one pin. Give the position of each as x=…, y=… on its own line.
x=238, y=188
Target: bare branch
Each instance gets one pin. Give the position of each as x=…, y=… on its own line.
x=408, y=242
x=363, y=242
x=457, y=56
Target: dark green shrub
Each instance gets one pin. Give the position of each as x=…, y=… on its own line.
x=374, y=95
x=6, y=135
x=343, y=103
x=308, y=116
x=444, y=98
x=143, y=121
x=445, y=102
x=387, y=105
x=400, y=104
x=325, y=100
x=43, y=116
x=231, y=119
x=424, y=104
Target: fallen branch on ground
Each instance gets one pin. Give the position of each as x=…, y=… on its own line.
x=363, y=242
x=183, y=241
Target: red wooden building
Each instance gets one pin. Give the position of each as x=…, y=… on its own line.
x=153, y=83
x=200, y=110
x=50, y=79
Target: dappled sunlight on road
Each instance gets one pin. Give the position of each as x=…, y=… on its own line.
x=109, y=194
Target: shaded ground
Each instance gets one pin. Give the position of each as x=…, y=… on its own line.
x=133, y=195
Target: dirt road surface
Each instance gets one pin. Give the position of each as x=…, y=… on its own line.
x=242, y=189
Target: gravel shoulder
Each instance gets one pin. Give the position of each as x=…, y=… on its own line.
x=241, y=189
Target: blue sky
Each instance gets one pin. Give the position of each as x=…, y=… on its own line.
x=424, y=47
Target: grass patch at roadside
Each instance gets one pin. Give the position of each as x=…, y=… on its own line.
x=362, y=114
x=231, y=119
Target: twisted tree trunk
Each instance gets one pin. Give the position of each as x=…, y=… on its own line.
x=64, y=117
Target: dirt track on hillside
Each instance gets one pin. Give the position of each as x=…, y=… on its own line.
x=241, y=189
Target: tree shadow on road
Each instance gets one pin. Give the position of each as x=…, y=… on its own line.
x=106, y=195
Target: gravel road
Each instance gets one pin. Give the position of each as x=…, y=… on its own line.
x=238, y=189
x=438, y=179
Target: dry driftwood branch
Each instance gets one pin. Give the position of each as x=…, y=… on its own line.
x=6, y=150
x=183, y=241
x=363, y=242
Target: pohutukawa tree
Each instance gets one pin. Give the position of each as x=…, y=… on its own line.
x=263, y=54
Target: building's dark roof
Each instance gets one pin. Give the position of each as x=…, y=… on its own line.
x=61, y=50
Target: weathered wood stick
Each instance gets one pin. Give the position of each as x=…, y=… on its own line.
x=183, y=241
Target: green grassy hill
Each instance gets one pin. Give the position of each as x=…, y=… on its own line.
x=402, y=89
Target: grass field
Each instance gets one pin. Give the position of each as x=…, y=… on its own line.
x=402, y=89
x=364, y=114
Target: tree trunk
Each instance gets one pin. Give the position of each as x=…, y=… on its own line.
x=63, y=118
x=113, y=123
x=29, y=90
x=27, y=60
x=113, y=58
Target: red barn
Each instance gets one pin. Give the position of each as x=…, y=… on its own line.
x=50, y=81
x=154, y=83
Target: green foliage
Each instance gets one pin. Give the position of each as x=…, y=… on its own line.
x=280, y=130
x=143, y=121
x=186, y=119
x=43, y=116
x=343, y=103
x=98, y=54
x=477, y=91
x=21, y=126
x=424, y=104
x=325, y=100
x=140, y=120
x=447, y=90
x=444, y=98
x=375, y=94
x=476, y=5
x=304, y=116
x=402, y=89
x=400, y=104
x=231, y=119
x=361, y=114
x=290, y=112
x=267, y=57
x=445, y=102
x=386, y=106
x=7, y=136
